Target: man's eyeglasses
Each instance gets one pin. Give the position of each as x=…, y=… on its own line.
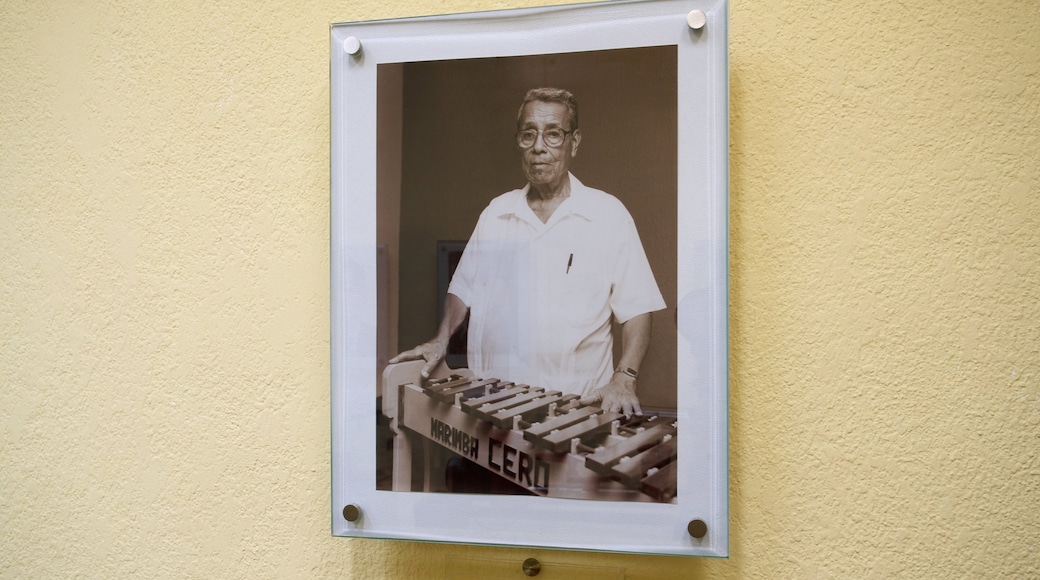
x=552, y=137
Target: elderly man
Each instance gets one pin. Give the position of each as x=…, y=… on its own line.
x=545, y=271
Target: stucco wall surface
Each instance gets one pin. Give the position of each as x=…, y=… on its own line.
x=164, y=350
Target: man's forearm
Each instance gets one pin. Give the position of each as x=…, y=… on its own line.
x=454, y=313
x=619, y=394
x=434, y=350
x=635, y=340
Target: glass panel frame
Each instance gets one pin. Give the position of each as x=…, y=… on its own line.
x=364, y=281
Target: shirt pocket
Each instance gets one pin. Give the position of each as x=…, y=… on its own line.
x=586, y=302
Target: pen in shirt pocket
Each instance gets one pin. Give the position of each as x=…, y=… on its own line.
x=570, y=261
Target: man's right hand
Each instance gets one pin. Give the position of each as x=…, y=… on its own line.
x=432, y=352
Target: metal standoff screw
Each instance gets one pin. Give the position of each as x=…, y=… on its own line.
x=532, y=567
x=697, y=528
x=696, y=19
x=351, y=512
x=352, y=45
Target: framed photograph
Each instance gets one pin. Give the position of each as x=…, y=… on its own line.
x=529, y=277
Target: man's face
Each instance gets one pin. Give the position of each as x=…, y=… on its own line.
x=542, y=164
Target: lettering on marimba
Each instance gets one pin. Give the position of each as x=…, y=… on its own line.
x=517, y=465
x=456, y=439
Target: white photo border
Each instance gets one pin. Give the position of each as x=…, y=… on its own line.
x=703, y=191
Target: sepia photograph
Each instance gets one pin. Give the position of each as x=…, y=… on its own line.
x=527, y=272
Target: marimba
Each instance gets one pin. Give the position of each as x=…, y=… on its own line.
x=546, y=442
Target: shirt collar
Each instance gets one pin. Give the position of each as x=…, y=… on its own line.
x=578, y=203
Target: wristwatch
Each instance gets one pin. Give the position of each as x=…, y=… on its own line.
x=627, y=371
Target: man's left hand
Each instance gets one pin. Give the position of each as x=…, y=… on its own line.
x=618, y=395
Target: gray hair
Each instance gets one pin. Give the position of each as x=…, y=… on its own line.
x=551, y=95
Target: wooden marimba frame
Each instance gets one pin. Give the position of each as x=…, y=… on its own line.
x=545, y=442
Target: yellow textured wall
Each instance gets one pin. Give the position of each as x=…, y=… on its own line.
x=164, y=298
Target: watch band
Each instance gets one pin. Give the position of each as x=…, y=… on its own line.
x=627, y=371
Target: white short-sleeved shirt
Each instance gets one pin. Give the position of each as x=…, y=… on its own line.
x=541, y=295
